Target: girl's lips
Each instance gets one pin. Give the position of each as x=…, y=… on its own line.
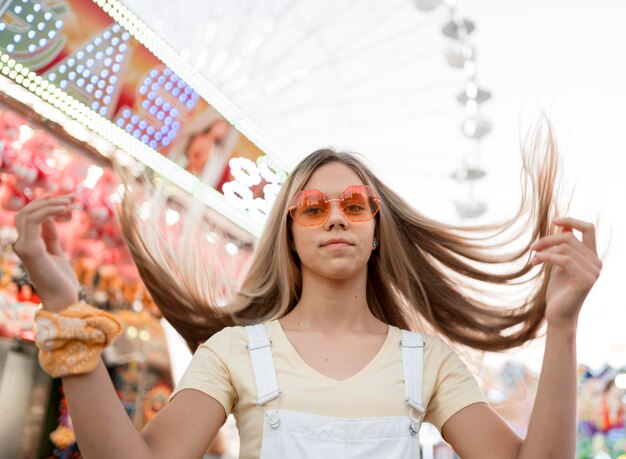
x=337, y=244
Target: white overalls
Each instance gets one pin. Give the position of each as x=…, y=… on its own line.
x=298, y=435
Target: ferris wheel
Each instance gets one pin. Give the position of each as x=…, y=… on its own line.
x=395, y=80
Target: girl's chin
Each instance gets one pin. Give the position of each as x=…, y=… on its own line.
x=337, y=272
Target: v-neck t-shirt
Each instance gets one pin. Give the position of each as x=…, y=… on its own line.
x=221, y=368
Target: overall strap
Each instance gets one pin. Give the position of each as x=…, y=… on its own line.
x=413, y=362
x=263, y=368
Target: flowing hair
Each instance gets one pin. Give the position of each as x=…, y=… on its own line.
x=424, y=274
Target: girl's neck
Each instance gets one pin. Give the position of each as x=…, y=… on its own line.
x=333, y=307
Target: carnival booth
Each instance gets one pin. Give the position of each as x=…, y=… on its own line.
x=79, y=93
x=40, y=156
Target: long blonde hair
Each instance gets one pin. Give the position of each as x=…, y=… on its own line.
x=421, y=276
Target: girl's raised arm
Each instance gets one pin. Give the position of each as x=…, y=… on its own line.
x=184, y=428
x=477, y=431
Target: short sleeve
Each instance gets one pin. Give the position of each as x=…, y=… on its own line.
x=455, y=386
x=208, y=371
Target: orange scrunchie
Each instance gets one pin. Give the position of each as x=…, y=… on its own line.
x=71, y=341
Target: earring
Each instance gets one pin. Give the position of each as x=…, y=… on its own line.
x=293, y=246
x=374, y=244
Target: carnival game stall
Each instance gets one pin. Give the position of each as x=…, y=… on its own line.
x=39, y=157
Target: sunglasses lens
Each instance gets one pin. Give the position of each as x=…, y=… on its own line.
x=311, y=208
x=359, y=203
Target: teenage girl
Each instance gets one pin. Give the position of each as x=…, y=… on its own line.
x=332, y=347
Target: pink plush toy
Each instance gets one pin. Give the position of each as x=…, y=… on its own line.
x=11, y=197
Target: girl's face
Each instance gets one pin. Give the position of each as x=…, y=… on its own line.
x=317, y=255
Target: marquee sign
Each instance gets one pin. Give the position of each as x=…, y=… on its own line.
x=97, y=58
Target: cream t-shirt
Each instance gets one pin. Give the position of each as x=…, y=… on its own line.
x=221, y=368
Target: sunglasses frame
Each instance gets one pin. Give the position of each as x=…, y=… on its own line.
x=372, y=194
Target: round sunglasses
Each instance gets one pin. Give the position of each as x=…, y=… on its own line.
x=359, y=203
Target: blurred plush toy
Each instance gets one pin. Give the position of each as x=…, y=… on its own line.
x=24, y=169
x=10, y=126
x=13, y=198
x=85, y=270
x=62, y=437
x=8, y=154
x=29, y=164
x=41, y=143
x=9, y=134
x=613, y=409
x=155, y=400
x=97, y=203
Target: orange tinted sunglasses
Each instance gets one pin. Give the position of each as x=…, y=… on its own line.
x=359, y=203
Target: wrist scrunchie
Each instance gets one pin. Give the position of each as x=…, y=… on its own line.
x=70, y=342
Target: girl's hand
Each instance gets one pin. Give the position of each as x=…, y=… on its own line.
x=39, y=248
x=576, y=267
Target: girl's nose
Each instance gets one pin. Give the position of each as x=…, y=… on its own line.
x=335, y=216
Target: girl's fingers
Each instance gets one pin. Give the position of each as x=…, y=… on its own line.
x=25, y=214
x=585, y=261
x=28, y=225
x=569, y=265
x=37, y=217
x=551, y=240
x=566, y=238
x=47, y=201
x=587, y=229
x=50, y=237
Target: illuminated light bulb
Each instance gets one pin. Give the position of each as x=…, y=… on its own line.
x=471, y=107
x=231, y=248
x=172, y=217
x=131, y=332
